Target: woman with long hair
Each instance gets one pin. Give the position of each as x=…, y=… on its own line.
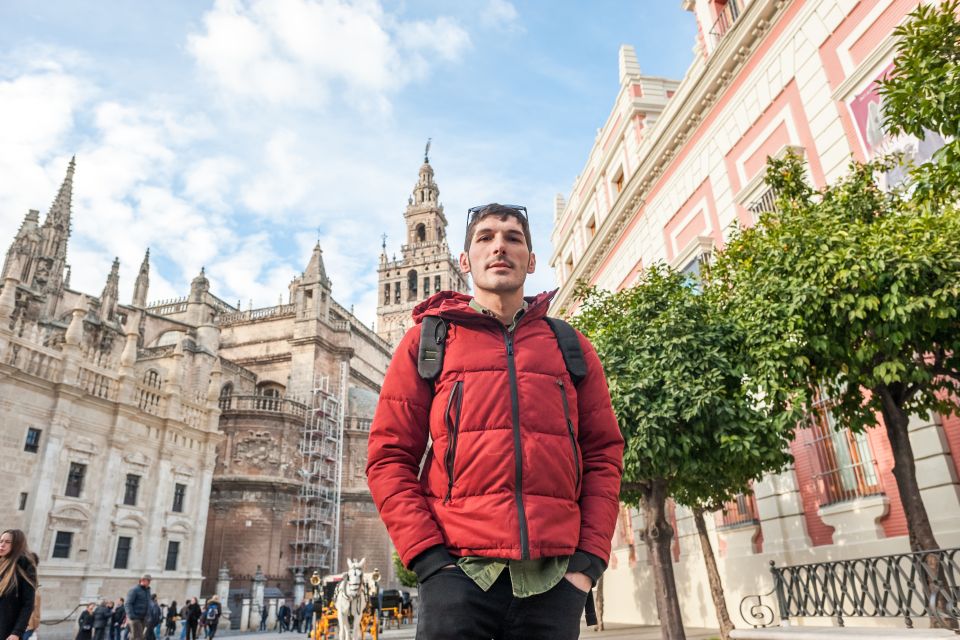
x=18, y=584
x=173, y=614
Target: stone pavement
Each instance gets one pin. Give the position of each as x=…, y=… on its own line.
x=613, y=632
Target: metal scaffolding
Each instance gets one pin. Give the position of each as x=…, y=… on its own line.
x=318, y=512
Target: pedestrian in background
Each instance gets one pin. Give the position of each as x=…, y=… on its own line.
x=184, y=611
x=308, y=616
x=85, y=632
x=193, y=618
x=117, y=620
x=154, y=617
x=101, y=620
x=263, y=617
x=137, y=607
x=212, y=616
x=18, y=584
x=283, y=617
x=173, y=614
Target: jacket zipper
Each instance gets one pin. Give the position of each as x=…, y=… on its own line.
x=517, y=450
x=453, y=430
x=573, y=438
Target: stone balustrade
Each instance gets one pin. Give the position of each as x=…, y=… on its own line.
x=269, y=404
x=97, y=375
x=237, y=317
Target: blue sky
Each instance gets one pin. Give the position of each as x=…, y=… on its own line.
x=234, y=134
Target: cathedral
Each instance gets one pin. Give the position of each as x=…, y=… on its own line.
x=188, y=438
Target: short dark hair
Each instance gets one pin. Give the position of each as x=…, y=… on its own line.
x=502, y=212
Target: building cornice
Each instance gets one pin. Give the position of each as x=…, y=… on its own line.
x=685, y=112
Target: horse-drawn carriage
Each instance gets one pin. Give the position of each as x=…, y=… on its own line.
x=348, y=610
x=395, y=607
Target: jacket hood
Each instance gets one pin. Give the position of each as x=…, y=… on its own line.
x=453, y=305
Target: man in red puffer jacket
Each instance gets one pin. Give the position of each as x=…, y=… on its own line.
x=508, y=525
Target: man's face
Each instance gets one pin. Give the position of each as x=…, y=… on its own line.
x=498, y=257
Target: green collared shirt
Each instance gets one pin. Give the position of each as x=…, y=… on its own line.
x=479, y=308
x=528, y=577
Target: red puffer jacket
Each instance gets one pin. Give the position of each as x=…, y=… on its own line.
x=523, y=464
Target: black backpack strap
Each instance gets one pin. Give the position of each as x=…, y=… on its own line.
x=570, y=348
x=433, y=337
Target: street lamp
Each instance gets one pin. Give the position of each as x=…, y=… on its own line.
x=317, y=600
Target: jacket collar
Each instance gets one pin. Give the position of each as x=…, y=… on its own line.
x=454, y=306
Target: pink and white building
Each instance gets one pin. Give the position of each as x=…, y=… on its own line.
x=675, y=167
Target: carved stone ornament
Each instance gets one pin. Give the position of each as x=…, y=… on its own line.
x=256, y=447
x=82, y=448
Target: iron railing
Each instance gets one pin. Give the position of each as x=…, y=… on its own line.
x=726, y=16
x=842, y=465
x=923, y=584
x=739, y=512
x=766, y=203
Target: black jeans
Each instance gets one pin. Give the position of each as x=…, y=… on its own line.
x=453, y=607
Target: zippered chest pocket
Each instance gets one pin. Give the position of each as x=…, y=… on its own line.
x=451, y=418
x=573, y=437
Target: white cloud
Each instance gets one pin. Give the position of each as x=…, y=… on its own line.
x=283, y=182
x=209, y=181
x=304, y=51
x=37, y=112
x=502, y=15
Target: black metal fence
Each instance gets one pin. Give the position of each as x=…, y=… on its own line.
x=924, y=584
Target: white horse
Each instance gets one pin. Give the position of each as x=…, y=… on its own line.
x=351, y=598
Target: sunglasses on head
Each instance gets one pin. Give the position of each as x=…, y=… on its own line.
x=473, y=211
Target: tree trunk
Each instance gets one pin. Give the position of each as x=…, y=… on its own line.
x=905, y=472
x=658, y=534
x=713, y=575
x=599, y=603
x=897, y=421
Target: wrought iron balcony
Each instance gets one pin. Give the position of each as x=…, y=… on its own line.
x=924, y=584
x=728, y=14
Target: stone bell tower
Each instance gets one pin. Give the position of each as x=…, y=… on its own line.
x=425, y=266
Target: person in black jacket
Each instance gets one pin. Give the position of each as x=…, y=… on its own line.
x=137, y=607
x=117, y=620
x=193, y=618
x=18, y=584
x=101, y=620
x=154, y=617
x=173, y=614
x=85, y=632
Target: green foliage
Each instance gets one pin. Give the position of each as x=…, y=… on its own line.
x=406, y=577
x=922, y=94
x=848, y=290
x=675, y=370
x=923, y=91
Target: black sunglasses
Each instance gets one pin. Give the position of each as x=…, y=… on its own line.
x=473, y=211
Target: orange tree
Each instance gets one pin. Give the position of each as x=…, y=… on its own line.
x=691, y=426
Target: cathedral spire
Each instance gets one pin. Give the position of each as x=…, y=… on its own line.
x=199, y=287
x=111, y=292
x=25, y=245
x=316, y=271
x=60, y=210
x=142, y=284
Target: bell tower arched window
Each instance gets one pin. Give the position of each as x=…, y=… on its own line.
x=421, y=233
x=411, y=285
